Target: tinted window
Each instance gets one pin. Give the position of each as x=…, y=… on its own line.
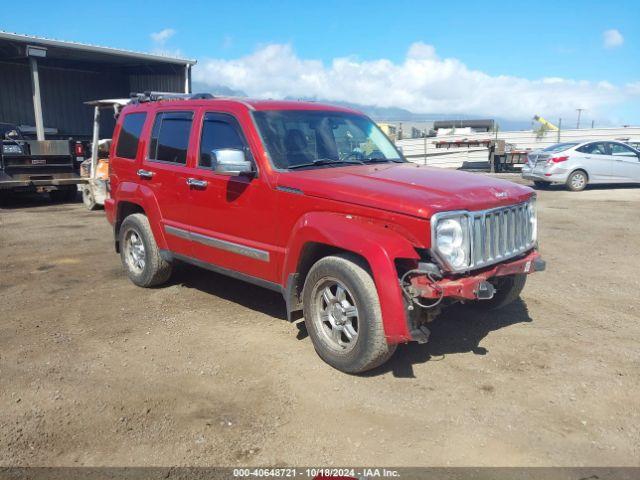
x=621, y=150
x=218, y=131
x=593, y=149
x=130, y=135
x=170, y=137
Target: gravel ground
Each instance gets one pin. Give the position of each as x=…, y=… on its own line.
x=207, y=371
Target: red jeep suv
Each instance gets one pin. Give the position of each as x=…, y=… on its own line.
x=315, y=202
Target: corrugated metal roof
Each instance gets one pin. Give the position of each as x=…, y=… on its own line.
x=85, y=47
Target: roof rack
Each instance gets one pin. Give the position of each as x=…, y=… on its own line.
x=157, y=96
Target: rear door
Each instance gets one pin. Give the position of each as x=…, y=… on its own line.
x=232, y=216
x=164, y=171
x=626, y=163
x=595, y=159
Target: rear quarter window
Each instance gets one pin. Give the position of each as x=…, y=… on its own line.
x=129, y=137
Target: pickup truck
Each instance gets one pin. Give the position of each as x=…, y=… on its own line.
x=27, y=164
x=315, y=202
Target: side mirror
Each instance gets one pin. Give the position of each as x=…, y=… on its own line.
x=230, y=161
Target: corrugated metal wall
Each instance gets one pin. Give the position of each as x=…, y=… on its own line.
x=157, y=82
x=16, y=105
x=64, y=92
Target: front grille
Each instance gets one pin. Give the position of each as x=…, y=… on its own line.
x=499, y=234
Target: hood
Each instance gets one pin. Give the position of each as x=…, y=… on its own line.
x=406, y=188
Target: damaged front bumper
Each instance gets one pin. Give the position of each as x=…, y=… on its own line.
x=474, y=286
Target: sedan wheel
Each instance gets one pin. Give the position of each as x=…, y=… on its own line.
x=577, y=181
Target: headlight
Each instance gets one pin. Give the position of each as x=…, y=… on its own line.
x=451, y=240
x=533, y=218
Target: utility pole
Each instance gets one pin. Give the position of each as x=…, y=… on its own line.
x=579, y=110
x=559, y=128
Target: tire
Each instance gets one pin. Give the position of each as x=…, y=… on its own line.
x=145, y=266
x=508, y=289
x=541, y=185
x=67, y=193
x=577, y=181
x=88, y=199
x=368, y=348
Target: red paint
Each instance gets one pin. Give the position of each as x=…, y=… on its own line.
x=464, y=288
x=379, y=211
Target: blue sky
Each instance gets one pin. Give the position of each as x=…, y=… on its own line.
x=502, y=58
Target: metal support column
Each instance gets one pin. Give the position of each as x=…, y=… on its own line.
x=96, y=138
x=37, y=102
x=187, y=79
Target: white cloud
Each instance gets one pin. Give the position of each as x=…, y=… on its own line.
x=422, y=82
x=160, y=40
x=162, y=36
x=612, y=38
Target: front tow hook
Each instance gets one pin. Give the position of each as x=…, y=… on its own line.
x=485, y=291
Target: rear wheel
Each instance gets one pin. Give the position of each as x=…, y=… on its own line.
x=577, y=181
x=342, y=315
x=140, y=254
x=508, y=289
x=88, y=199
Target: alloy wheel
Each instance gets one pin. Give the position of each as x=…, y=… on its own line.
x=336, y=314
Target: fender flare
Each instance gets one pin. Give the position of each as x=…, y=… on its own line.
x=142, y=196
x=378, y=245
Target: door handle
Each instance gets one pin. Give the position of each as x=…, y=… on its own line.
x=194, y=182
x=145, y=174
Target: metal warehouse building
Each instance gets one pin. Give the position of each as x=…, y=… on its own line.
x=44, y=83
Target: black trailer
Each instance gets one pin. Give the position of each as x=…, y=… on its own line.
x=45, y=126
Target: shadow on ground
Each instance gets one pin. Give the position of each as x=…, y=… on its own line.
x=456, y=330
x=17, y=200
x=249, y=296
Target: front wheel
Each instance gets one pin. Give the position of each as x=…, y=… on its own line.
x=508, y=290
x=88, y=199
x=342, y=315
x=64, y=194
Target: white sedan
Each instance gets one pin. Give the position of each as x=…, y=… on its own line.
x=577, y=164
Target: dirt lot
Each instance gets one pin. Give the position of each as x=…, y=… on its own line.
x=206, y=371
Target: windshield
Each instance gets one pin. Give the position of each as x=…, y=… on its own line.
x=559, y=147
x=303, y=138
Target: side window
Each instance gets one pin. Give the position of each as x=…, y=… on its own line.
x=170, y=137
x=619, y=150
x=593, y=148
x=130, y=135
x=219, y=131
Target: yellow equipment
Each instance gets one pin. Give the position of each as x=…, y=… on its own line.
x=545, y=122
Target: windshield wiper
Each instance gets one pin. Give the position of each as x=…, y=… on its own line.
x=324, y=161
x=382, y=160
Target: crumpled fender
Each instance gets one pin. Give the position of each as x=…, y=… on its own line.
x=143, y=196
x=380, y=246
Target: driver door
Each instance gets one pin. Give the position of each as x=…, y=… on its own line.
x=232, y=217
